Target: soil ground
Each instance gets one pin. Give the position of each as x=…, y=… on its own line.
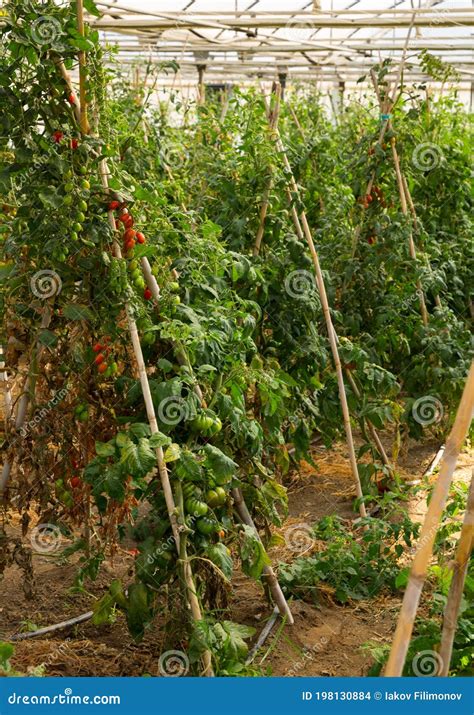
x=326, y=639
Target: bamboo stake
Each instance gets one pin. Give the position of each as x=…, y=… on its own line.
x=327, y=316
x=268, y=572
x=461, y=562
x=436, y=506
x=266, y=195
x=386, y=107
x=411, y=206
x=82, y=71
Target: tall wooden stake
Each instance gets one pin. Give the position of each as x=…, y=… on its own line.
x=327, y=315
x=461, y=563
x=411, y=599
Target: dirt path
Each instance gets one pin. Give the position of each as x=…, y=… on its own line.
x=327, y=638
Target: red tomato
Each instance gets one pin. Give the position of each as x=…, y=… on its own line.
x=99, y=359
x=140, y=237
x=113, y=205
x=71, y=99
x=74, y=143
x=57, y=136
x=129, y=234
x=97, y=348
x=148, y=295
x=127, y=221
x=102, y=367
x=76, y=482
x=130, y=245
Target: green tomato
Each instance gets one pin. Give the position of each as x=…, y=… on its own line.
x=68, y=500
x=74, y=236
x=206, y=526
x=174, y=287
x=59, y=484
x=68, y=187
x=136, y=274
x=212, y=498
x=83, y=170
x=81, y=217
x=82, y=205
x=67, y=201
x=196, y=507
x=149, y=338
x=221, y=480
x=133, y=265
x=139, y=283
x=215, y=428
x=176, y=300
x=114, y=368
x=222, y=495
x=77, y=227
x=85, y=184
x=68, y=174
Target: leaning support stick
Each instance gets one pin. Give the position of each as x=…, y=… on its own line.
x=268, y=572
x=461, y=562
x=293, y=188
x=411, y=599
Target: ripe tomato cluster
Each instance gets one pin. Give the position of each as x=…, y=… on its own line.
x=105, y=366
x=131, y=237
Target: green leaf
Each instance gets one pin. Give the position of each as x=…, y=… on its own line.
x=172, y=452
x=138, y=611
x=219, y=554
x=402, y=578
x=105, y=449
x=114, y=482
x=252, y=553
x=6, y=652
x=138, y=459
x=158, y=440
x=73, y=311
x=91, y=7
x=48, y=338
x=140, y=429
x=218, y=462
x=103, y=610
x=188, y=468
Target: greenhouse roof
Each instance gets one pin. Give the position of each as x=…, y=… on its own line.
x=337, y=40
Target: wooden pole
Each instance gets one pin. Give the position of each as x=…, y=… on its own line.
x=436, y=506
x=327, y=314
x=268, y=188
x=82, y=71
x=461, y=563
x=268, y=572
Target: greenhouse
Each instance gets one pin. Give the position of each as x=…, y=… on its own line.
x=236, y=376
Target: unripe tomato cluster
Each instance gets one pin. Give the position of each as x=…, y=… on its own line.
x=105, y=365
x=76, y=192
x=207, y=423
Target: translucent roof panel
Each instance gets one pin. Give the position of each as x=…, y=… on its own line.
x=337, y=38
